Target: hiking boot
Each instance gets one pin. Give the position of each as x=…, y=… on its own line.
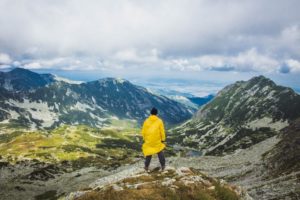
x=162, y=168
x=147, y=169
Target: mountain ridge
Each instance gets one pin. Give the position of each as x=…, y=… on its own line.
x=95, y=103
x=239, y=116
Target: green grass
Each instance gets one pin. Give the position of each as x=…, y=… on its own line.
x=69, y=143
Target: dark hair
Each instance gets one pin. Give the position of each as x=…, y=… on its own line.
x=153, y=111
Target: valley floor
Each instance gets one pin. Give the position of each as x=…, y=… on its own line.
x=244, y=168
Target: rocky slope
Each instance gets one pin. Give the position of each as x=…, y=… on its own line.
x=242, y=114
x=284, y=158
x=43, y=101
x=181, y=183
x=249, y=169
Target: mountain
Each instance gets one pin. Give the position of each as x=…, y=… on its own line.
x=241, y=114
x=20, y=79
x=190, y=100
x=47, y=102
x=200, y=101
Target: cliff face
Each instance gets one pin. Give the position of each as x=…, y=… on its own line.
x=181, y=183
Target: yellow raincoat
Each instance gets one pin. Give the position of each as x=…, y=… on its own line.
x=153, y=133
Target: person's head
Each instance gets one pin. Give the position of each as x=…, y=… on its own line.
x=153, y=111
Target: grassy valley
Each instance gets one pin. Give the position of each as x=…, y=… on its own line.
x=70, y=143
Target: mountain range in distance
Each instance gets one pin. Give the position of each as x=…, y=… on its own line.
x=46, y=101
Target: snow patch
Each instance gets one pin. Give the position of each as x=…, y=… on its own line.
x=183, y=100
x=97, y=117
x=39, y=111
x=82, y=107
x=7, y=85
x=120, y=80
x=6, y=121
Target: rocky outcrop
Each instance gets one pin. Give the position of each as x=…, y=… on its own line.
x=173, y=183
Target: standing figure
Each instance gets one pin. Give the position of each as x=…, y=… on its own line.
x=154, y=137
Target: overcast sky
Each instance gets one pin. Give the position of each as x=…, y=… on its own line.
x=210, y=40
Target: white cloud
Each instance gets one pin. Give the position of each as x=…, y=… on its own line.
x=133, y=55
x=5, y=66
x=151, y=37
x=252, y=60
x=33, y=65
x=64, y=28
x=145, y=62
x=5, y=59
x=294, y=65
x=249, y=60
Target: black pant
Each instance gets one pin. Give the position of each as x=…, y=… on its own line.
x=161, y=158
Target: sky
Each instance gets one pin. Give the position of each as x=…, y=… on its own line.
x=197, y=45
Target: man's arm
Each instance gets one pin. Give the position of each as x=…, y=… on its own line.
x=162, y=132
x=144, y=131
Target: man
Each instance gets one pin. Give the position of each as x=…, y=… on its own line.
x=154, y=137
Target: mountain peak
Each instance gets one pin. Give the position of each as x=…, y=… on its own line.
x=262, y=80
x=259, y=77
x=19, y=70
x=20, y=79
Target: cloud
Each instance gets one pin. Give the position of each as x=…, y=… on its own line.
x=5, y=59
x=152, y=37
x=249, y=60
x=293, y=65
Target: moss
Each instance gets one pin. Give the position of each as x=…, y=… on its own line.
x=5, y=138
x=224, y=193
x=118, y=143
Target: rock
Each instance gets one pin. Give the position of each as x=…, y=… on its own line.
x=75, y=195
x=166, y=185
x=19, y=188
x=3, y=164
x=44, y=173
x=212, y=188
x=117, y=187
x=168, y=181
x=182, y=171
